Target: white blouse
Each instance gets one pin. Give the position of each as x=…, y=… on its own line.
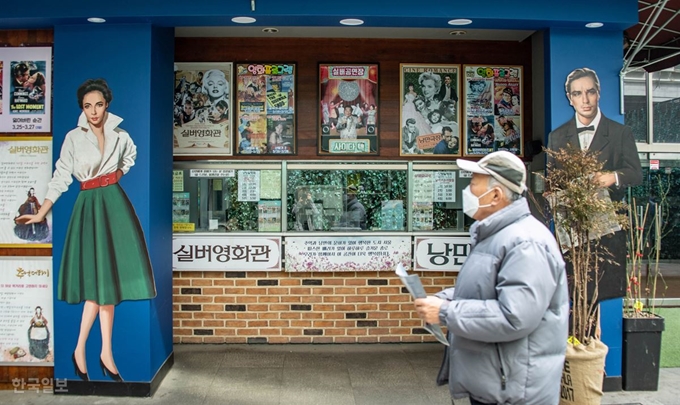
x=81, y=158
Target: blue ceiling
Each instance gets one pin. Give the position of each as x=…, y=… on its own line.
x=490, y=14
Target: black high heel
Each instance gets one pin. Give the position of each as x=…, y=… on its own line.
x=115, y=377
x=83, y=376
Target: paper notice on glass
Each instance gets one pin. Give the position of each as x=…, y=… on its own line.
x=415, y=287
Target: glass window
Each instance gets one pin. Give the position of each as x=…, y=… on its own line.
x=346, y=197
x=635, y=104
x=657, y=186
x=666, y=101
x=437, y=199
x=226, y=198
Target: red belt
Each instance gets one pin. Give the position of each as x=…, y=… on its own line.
x=101, y=181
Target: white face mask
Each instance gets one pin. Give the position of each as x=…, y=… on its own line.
x=471, y=202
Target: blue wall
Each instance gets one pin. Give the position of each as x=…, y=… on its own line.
x=602, y=51
x=567, y=50
x=137, y=62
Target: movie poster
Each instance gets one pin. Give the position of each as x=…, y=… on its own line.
x=26, y=311
x=429, y=118
x=201, y=110
x=25, y=90
x=25, y=171
x=265, y=98
x=348, y=109
x=493, y=110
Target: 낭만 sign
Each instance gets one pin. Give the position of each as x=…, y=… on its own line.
x=440, y=253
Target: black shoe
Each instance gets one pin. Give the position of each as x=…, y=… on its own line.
x=83, y=376
x=115, y=377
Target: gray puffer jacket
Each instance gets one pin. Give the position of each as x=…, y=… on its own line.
x=508, y=314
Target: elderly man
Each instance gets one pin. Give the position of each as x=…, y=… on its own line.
x=507, y=316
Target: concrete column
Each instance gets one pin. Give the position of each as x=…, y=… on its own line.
x=137, y=62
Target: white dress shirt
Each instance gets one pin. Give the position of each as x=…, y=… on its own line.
x=585, y=138
x=81, y=157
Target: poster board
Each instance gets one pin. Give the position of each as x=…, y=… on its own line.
x=26, y=89
x=202, y=109
x=25, y=172
x=346, y=253
x=26, y=311
x=493, y=109
x=265, y=112
x=429, y=118
x=349, y=109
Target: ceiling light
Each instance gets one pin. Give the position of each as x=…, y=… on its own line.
x=270, y=30
x=96, y=20
x=243, y=20
x=351, y=21
x=458, y=32
x=460, y=21
x=594, y=25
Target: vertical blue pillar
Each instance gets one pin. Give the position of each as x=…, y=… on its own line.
x=602, y=51
x=137, y=62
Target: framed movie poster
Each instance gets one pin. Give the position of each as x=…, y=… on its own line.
x=493, y=109
x=429, y=118
x=26, y=311
x=25, y=89
x=348, y=109
x=25, y=172
x=202, y=124
x=265, y=109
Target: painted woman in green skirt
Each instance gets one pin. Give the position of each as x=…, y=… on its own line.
x=105, y=260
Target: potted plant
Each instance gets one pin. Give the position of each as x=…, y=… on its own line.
x=582, y=213
x=642, y=325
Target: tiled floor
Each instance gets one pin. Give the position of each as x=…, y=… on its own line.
x=390, y=374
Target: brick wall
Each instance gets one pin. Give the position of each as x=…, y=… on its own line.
x=277, y=307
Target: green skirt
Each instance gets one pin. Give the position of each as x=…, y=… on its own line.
x=105, y=257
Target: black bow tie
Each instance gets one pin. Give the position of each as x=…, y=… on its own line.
x=588, y=128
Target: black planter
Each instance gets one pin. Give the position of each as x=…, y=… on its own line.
x=641, y=353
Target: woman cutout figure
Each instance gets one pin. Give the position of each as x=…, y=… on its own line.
x=105, y=260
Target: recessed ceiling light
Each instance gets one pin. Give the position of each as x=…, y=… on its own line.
x=351, y=21
x=96, y=20
x=458, y=32
x=594, y=25
x=243, y=20
x=270, y=30
x=460, y=21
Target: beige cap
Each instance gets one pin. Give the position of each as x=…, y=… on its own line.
x=503, y=166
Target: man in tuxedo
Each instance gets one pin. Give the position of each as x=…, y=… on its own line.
x=447, y=91
x=614, y=142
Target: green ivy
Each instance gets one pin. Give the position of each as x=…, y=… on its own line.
x=375, y=186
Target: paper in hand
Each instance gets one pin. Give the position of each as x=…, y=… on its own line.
x=415, y=287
